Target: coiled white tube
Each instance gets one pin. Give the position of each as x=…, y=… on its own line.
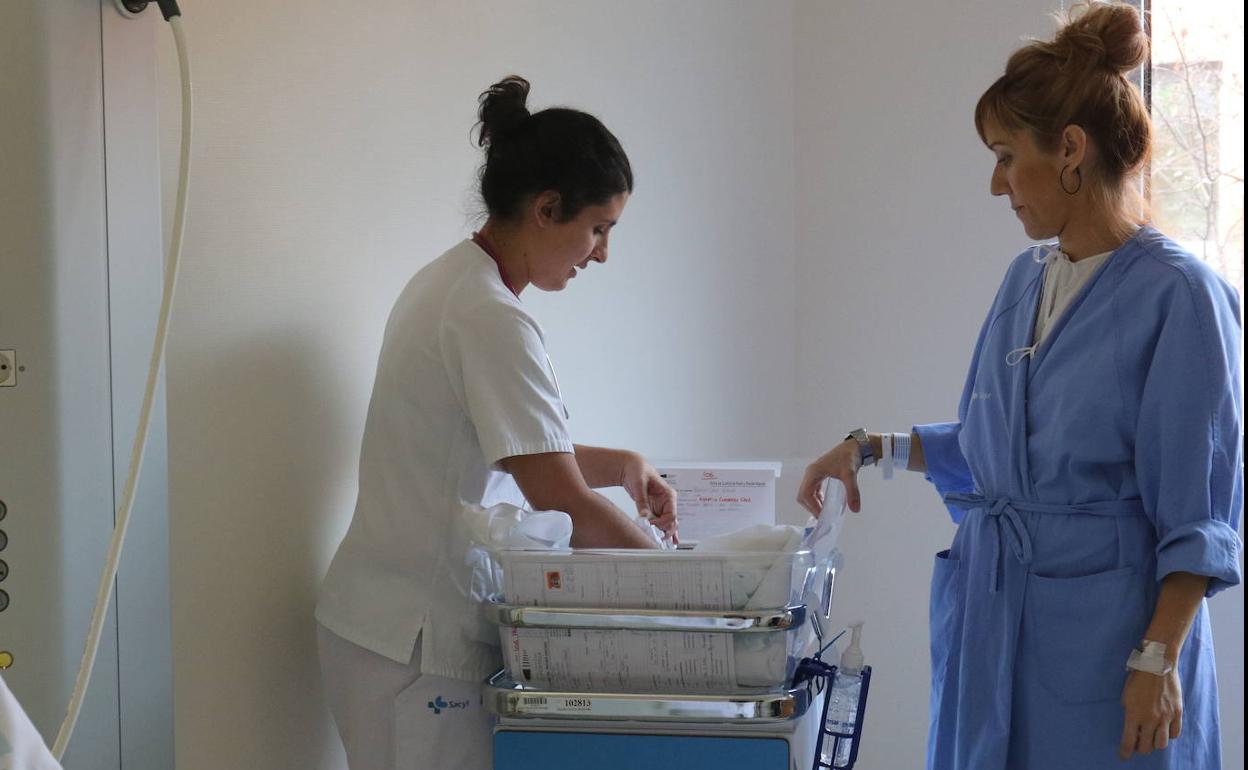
x=104, y=593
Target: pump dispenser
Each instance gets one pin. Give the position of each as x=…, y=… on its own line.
x=852, y=660
x=843, y=696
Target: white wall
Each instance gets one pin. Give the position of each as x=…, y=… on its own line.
x=332, y=160
x=901, y=249
x=811, y=248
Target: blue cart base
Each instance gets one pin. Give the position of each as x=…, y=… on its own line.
x=525, y=750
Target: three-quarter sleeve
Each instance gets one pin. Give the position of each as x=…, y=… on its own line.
x=947, y=468
x=946, y=465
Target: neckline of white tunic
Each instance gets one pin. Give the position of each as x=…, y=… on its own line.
x=1063, y=279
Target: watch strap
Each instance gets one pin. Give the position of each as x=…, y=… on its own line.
x=865, y=453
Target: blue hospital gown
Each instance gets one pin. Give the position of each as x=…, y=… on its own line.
x=1080, y=477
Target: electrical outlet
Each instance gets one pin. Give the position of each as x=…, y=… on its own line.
x=8, y=368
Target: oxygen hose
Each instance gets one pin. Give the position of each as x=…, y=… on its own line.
x=103, y=595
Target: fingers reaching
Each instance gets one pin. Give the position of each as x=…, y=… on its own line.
x=841, y=463
x=666, y=522
x=853, y=498
x=810, y=492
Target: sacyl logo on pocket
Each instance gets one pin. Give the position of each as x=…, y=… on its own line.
x=439, y=704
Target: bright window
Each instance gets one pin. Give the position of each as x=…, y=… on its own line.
x=1196, y=88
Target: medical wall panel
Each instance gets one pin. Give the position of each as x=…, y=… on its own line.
x=80, y=274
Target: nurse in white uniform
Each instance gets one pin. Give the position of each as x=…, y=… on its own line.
x=466, y=410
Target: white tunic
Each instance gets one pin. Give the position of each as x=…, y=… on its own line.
x=463, y=381
x=1062, y=281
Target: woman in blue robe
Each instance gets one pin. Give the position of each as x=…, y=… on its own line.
x=1095, y=470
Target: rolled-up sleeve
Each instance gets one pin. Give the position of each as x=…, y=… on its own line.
x=946, y=465
x=1189, y=437
x=1202, y=548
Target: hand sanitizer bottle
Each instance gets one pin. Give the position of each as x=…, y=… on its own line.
x=843, y=706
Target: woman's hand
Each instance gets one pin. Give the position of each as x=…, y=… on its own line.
x=1153, y=712
x=656, y=501
x=841, y=462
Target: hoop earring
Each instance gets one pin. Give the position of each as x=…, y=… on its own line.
x=1061, y=180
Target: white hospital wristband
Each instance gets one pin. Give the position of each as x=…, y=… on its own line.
x=886, y=459
x=901, y=450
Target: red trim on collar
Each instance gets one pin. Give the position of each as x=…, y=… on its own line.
x=488, y=248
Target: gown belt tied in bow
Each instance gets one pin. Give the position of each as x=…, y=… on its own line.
x=1010, y=526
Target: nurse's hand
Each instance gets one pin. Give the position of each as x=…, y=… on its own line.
x=654, y=498
x=842, y=463
x=1153, y=710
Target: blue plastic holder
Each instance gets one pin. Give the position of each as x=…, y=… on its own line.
x=821, y=676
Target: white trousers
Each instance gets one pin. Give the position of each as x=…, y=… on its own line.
x=392, y=717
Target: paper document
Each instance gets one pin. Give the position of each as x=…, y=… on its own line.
x=677, y=584
x=715, y=499
x=620, y=661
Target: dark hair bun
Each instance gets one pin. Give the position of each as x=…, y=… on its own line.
x=560, y=149
x=1105, y=35
x=502, y=109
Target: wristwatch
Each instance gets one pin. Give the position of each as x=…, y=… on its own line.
x=865, y=453
x=1150, y=657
